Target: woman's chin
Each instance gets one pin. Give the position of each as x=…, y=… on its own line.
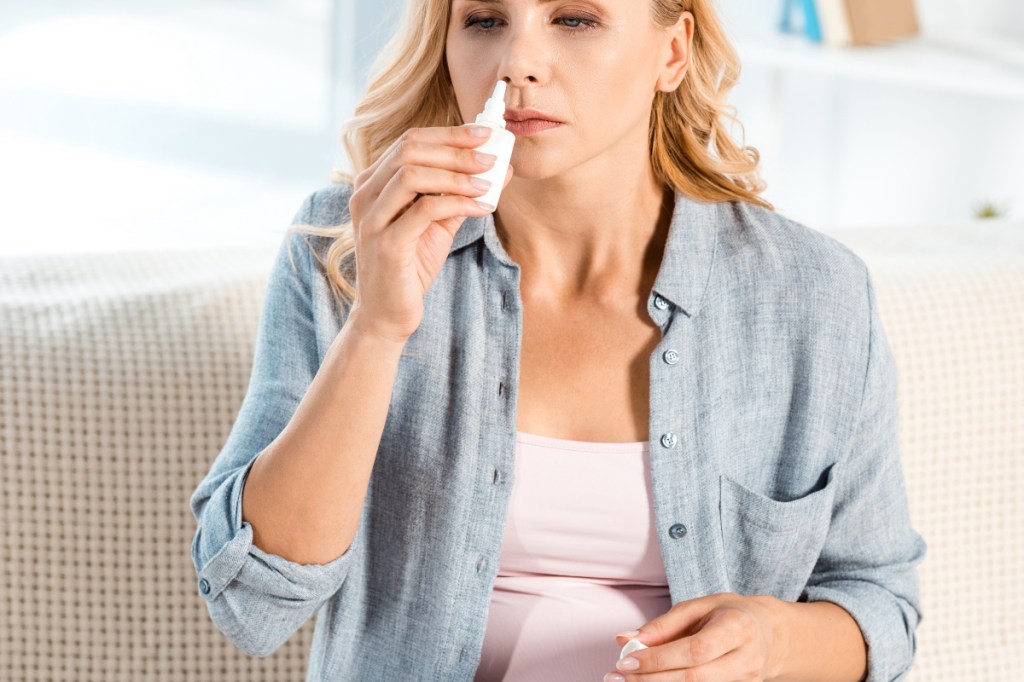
x=528, y=170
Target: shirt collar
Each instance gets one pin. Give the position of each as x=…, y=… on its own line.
x=685, y=271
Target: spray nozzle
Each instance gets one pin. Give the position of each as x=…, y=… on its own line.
x=494, y=109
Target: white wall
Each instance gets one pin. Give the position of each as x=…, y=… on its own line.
x=1001, y=17
x=143, y=124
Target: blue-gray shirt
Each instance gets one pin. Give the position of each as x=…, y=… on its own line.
x=773, y=448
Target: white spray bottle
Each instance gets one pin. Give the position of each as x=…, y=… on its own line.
x=499, y=143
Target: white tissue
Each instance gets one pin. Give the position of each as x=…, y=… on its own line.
x=631, y=646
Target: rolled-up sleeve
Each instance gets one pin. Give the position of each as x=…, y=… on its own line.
x=868, y=564
x=258, y=600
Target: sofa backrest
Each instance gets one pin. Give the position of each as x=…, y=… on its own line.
x=120, y=377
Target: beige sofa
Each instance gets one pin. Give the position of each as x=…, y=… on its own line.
x=121, y=374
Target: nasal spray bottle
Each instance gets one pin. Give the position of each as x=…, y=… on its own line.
x=499, y=143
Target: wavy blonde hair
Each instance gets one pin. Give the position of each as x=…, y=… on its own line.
x=691, y=149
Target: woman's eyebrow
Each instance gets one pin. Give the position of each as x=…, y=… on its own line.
x=501, y=2
x=596, y=5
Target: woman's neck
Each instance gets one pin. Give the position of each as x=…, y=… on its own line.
x=600, y=241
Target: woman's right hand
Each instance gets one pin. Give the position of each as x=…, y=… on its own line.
x=402, y=242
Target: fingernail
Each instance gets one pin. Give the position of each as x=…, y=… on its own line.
x=629, y=635
x=614, y=677
x=480, y=183
x=480, y=131
x=628, y=663
x=485, y=158
x=486, y=207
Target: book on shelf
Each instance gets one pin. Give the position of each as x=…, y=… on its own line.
x=801, y=17
x=848, y=23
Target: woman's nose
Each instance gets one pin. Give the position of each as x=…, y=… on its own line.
x=523, y=57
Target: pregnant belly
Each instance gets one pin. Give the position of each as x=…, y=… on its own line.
x=543, y=628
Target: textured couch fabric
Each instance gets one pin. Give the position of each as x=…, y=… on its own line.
x=121, y=375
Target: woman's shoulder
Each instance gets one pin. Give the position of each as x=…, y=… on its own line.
x=780, y=251
x=314, y=225
x=325, y=207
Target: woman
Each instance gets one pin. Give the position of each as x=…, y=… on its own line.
x=633, y=397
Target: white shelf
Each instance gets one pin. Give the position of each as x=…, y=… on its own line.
x=974, y=65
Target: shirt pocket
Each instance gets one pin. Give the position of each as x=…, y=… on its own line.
x=771, y=546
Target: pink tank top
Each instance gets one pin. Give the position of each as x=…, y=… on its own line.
x=579, y=563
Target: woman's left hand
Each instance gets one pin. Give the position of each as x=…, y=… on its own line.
x=723, y=637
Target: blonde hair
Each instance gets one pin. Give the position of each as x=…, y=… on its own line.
x=691, y=149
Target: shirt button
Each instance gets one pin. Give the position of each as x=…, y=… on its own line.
x=671, y=356
x=660, y=303
x=481, y=564
x=668, y=439
x=677, y=531
x=204, y=586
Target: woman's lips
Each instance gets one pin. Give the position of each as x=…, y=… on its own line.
x=530, y=126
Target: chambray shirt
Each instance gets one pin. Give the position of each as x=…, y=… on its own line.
x=773, y=448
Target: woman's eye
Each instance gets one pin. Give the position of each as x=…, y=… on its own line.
x=480, y=22
x=486, y=24
x=578, y=22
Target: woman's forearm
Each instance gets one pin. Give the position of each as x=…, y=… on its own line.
x=823, y=643
x=306, y=490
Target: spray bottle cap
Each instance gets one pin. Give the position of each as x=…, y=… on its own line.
x=494, y=109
